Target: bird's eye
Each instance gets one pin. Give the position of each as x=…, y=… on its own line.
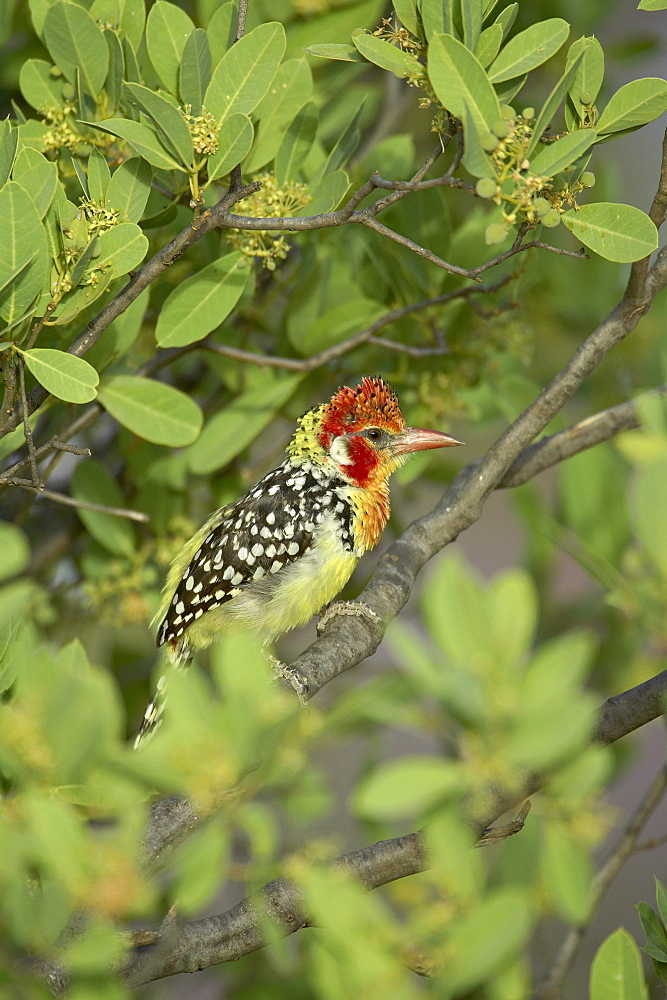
x=373, y=434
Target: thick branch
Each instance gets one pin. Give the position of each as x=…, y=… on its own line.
x=228, y=936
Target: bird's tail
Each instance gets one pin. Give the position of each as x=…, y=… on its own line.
x=178, y=656
x=153, y=714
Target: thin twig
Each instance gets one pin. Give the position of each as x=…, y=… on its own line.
x=53, y=445
x=235, y=178
x=378, y=227
x=39, y=325
x=551, y=986
x=367, y=335
x=132, y=515
x=27, y=430
x=241, y=19
x=650, y=845
x=10, y=387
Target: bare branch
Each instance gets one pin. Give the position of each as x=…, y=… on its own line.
x=53, y=445
x=27, y=432
x=585, y=434
x=658, y=213
x=378, y=227
x=363, y=337
x=132, y=515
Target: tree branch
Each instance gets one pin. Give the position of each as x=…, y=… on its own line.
x=586, y=434
x=226, y=937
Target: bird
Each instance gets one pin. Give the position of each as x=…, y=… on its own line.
x=274, y=558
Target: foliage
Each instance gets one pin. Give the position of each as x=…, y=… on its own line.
x=168, y=343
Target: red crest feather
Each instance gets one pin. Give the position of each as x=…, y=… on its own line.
x=372, y=402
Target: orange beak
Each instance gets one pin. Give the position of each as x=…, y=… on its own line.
x=417, y=439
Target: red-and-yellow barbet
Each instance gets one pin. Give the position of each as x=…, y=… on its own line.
x=279, y=554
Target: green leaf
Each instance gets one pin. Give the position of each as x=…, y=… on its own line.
x=387, y=56
x=99, y=176
x=114, y=80
x=91, y=482
x=529, y=49
x=661, y=899
x=152, y=410
x=459, y=81
x=472, y=13
x=12, y=276
x=616, y=972
x=557, y=155
x=405, y=787
x=567, y=873
x=328, y=194
x=195, y=72
x=475, y=159
x=40, y=88
x=335, y=50
x=617, y=232
x=167, y=30
x=555, y=98
x=337, y=323
x=503, y=922
x=507, y=17
x=234, y=141
x=142, y=138
x=127, y=17
x=648, y=495
x=436, y=18
x=40, y=183
x=489, y=42
x=297, y=143
x=120, y=335
x=655, y=932
x=292, y=87
x=123, y=248
x=407, y=14
x=23, y=241
x=513, y=609
x=634, y=105
x=78, y=300
x=590, y=73
x=9, y=138
x=15, y=550
x=63, y=375
x=129, y=188
x=77, y=44
x=652, y=5
x=221, y=29
x=202, y=302
x=168, y=120
x=132, y=71
x=246, y=71
x=237, y=425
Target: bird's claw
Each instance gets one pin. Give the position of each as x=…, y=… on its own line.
x=355, y=608
x=295, y=679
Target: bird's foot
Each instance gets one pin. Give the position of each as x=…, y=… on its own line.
x=355, y=608
x=295, y=679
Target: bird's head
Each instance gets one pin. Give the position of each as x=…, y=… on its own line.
x=363, y=432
